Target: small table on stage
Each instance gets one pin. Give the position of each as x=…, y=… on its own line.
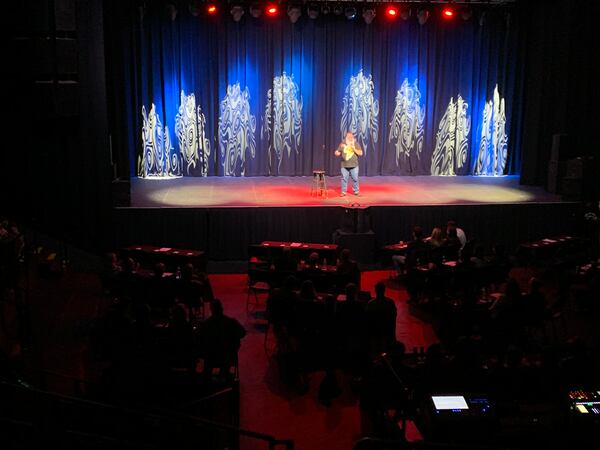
x=148, y=255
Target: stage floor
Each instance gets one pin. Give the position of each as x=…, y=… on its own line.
x=215, y=192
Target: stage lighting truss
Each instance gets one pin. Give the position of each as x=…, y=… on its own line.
x=312, y=10
x=237, y=12
x=255, y=10
x=423, y=10
x=369, y=14
x=294, y=12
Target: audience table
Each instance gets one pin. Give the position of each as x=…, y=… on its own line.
x=148, y=255
x=269, y=250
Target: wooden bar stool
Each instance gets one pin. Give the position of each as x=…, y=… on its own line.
x=319, y=184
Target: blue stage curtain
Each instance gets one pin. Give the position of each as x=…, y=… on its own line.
x=153, y=57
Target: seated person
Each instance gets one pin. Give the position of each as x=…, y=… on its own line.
x=181, y=350
x=381, y=320
x=159, y=288
x=313, y=261
x=285, y=262
x=451, y=246
x=128, y=282
x=437, y=238
x=220, y=338
x=460, y=233
x=110, y=272
x=478, y=258
x=307, y=291
x=347, y=269
x=416, y=251
x=189, y=289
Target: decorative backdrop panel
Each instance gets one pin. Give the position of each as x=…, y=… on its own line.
x=269, y=97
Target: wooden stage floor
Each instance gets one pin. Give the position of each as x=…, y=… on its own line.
x=218, y=192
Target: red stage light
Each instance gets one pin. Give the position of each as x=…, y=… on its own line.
x=212, y=9
x=448, y=13
x=272, y=10
x=391, y=11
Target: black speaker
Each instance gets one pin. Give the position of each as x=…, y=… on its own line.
x=561, y=147
x=575, y=167
x=556, y=171
x=572, y=188
x=121, y=193
x=361, y=245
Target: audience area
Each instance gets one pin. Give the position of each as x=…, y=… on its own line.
x=319, y=350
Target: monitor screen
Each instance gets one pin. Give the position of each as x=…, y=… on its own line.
x=449, y=402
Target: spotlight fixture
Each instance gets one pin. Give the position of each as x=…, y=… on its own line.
x=211, y=9
x=294, y=13
x=369, y=14
x=466, y=13
x=350, y=12
x=405, y=13
x=338, y=10
x=255, y=11
x=391, y=12
x=194, y=8
x=448, y=13
x=237, y=12
x=312, y=11
x=325, y=9
x=171, y=11
x=423, y=16
x=272, y=10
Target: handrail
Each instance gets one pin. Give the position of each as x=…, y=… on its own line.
x=161, y=413
x=208, y=397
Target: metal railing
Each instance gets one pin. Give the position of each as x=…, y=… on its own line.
x=47, y=414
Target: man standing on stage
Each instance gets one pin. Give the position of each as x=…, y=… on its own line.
x=349, y=151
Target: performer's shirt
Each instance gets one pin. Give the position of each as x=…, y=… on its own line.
x=349, y=158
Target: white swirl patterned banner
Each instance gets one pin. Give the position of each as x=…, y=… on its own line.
x=156, y=148
x=190, y=123
x=493, y=144
x=407, y=125
x=236, y=129
x=282, y=122
x=360, y=110
x=451, y=140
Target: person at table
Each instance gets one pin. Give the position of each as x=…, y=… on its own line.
x=460, y=233
x=381, y=321
x=451, y=246
x=285, y=262
x=416, y=251
x=437, y=238
x=347, y=269
x=307, y=291
x=220, y=338
x=313, y=263
x=159, y=288
x=349, y=151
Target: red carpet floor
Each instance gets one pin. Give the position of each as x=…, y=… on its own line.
x=268, y=406
x=63, y=311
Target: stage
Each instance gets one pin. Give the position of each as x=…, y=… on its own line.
x=223, y=215
x=232, y=192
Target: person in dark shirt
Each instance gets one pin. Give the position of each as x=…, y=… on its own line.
x=417, y=251
x=381, y=320
x=347, y=270
x=220, y=338
x=285, y=262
